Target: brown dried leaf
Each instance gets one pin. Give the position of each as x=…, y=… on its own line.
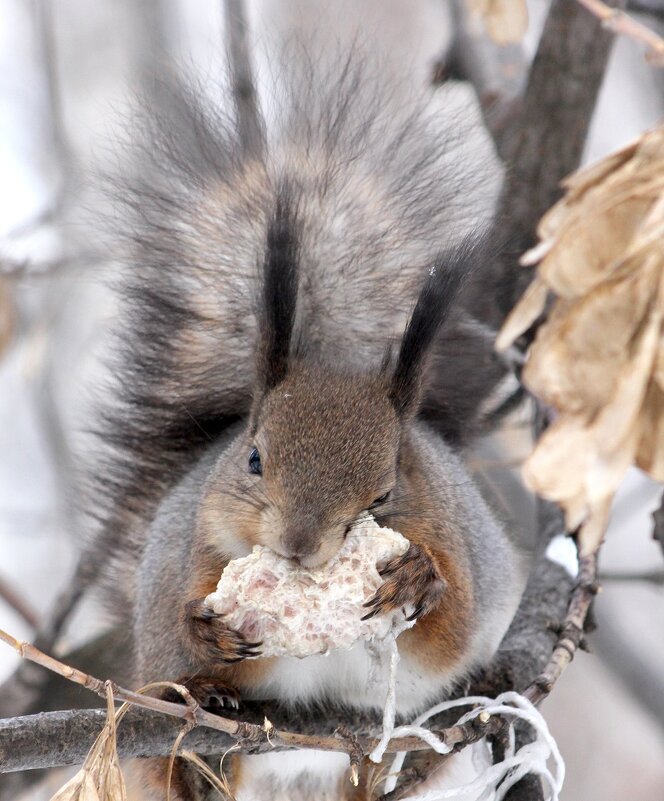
x=578, y=462
x=578, y=354
x=506, y=21
x=524, y=314
x=592, y=241
x=584, y=179
x=599, y=358
x=650, y=456
x=7, y=315
x=79, y=788
x=100, y=778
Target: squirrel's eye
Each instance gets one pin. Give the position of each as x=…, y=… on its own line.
x=255, y=465
x=380, y=500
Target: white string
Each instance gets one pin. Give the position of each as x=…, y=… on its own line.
x=390, y=707
x=494, y=781
x=530, y=758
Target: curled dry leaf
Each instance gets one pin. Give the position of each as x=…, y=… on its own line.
x=100, y=778
x=7, y=314
x=506, y=21
x=598, y=360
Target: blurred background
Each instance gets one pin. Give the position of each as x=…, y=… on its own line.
x=68, y=72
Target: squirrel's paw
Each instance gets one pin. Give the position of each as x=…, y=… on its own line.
x=214, y=641
x=411, y=580
x=210, y=692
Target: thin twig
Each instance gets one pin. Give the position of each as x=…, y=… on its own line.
x=11, y=597
x=655, y=577
x=618, y=21
x=249, y=735
x=571, y=631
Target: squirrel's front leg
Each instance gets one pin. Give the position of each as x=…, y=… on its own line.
x=411, y=580
x=436, y=584
x=212, y=645
x=212, y=642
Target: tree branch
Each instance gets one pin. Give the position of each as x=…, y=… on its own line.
x=571, y=632
x=55, y=739
x=242, y=82
x=22, y=608
x=251, y=737
x=546, y=138
x=658, y=524
x=618, y=21
x=498, y=74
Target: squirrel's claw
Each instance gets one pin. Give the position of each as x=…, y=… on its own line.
x=210, y=692
x=213, y=641
x=412, y=580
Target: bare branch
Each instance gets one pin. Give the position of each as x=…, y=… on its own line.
x=251, y=737
x=546, y=137
x=47, y=740
x=572, y=630
x=655, y=577
x=497, y=73
x=618, y=21
x=18, y=603
x=244, y=90
x=19, y=691
x=55, y=739
x=658, y=524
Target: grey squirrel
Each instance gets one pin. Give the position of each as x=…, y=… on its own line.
x=294, y=350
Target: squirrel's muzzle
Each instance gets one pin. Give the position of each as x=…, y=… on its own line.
x=300, y=542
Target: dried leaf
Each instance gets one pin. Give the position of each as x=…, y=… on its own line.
x=650, y=456
x=79, y=788
x=524, y=314
x=100, y=778
x=576, y=359
x=599, y=358
x=7, y=315
x=506, y=21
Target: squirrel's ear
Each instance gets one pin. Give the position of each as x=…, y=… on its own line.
x=437, y=299
x=279, y=297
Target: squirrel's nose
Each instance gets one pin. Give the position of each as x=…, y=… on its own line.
x=299, y=543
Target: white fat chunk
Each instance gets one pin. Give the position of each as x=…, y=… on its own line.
x=299, y=612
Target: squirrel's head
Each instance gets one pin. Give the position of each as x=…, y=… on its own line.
x=323, y=444
x=323, y=448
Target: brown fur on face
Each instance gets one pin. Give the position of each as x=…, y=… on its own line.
x=321, y=466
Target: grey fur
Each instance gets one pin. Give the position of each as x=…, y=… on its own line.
x=381, y=189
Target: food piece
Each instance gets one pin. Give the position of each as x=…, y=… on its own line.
x=299, y=612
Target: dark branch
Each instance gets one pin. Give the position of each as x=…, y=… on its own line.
x=545, y=139
x=14, y=600
x=63, y=738
x=658, y=524
x=242, y=82
x=498, y=74
x=23, y=688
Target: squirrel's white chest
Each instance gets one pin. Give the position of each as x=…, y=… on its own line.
x=353, y=677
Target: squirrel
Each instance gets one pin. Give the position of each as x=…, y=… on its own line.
x=293, y=351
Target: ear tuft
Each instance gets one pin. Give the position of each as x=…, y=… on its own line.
x=280, y=286
x=437, y=300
